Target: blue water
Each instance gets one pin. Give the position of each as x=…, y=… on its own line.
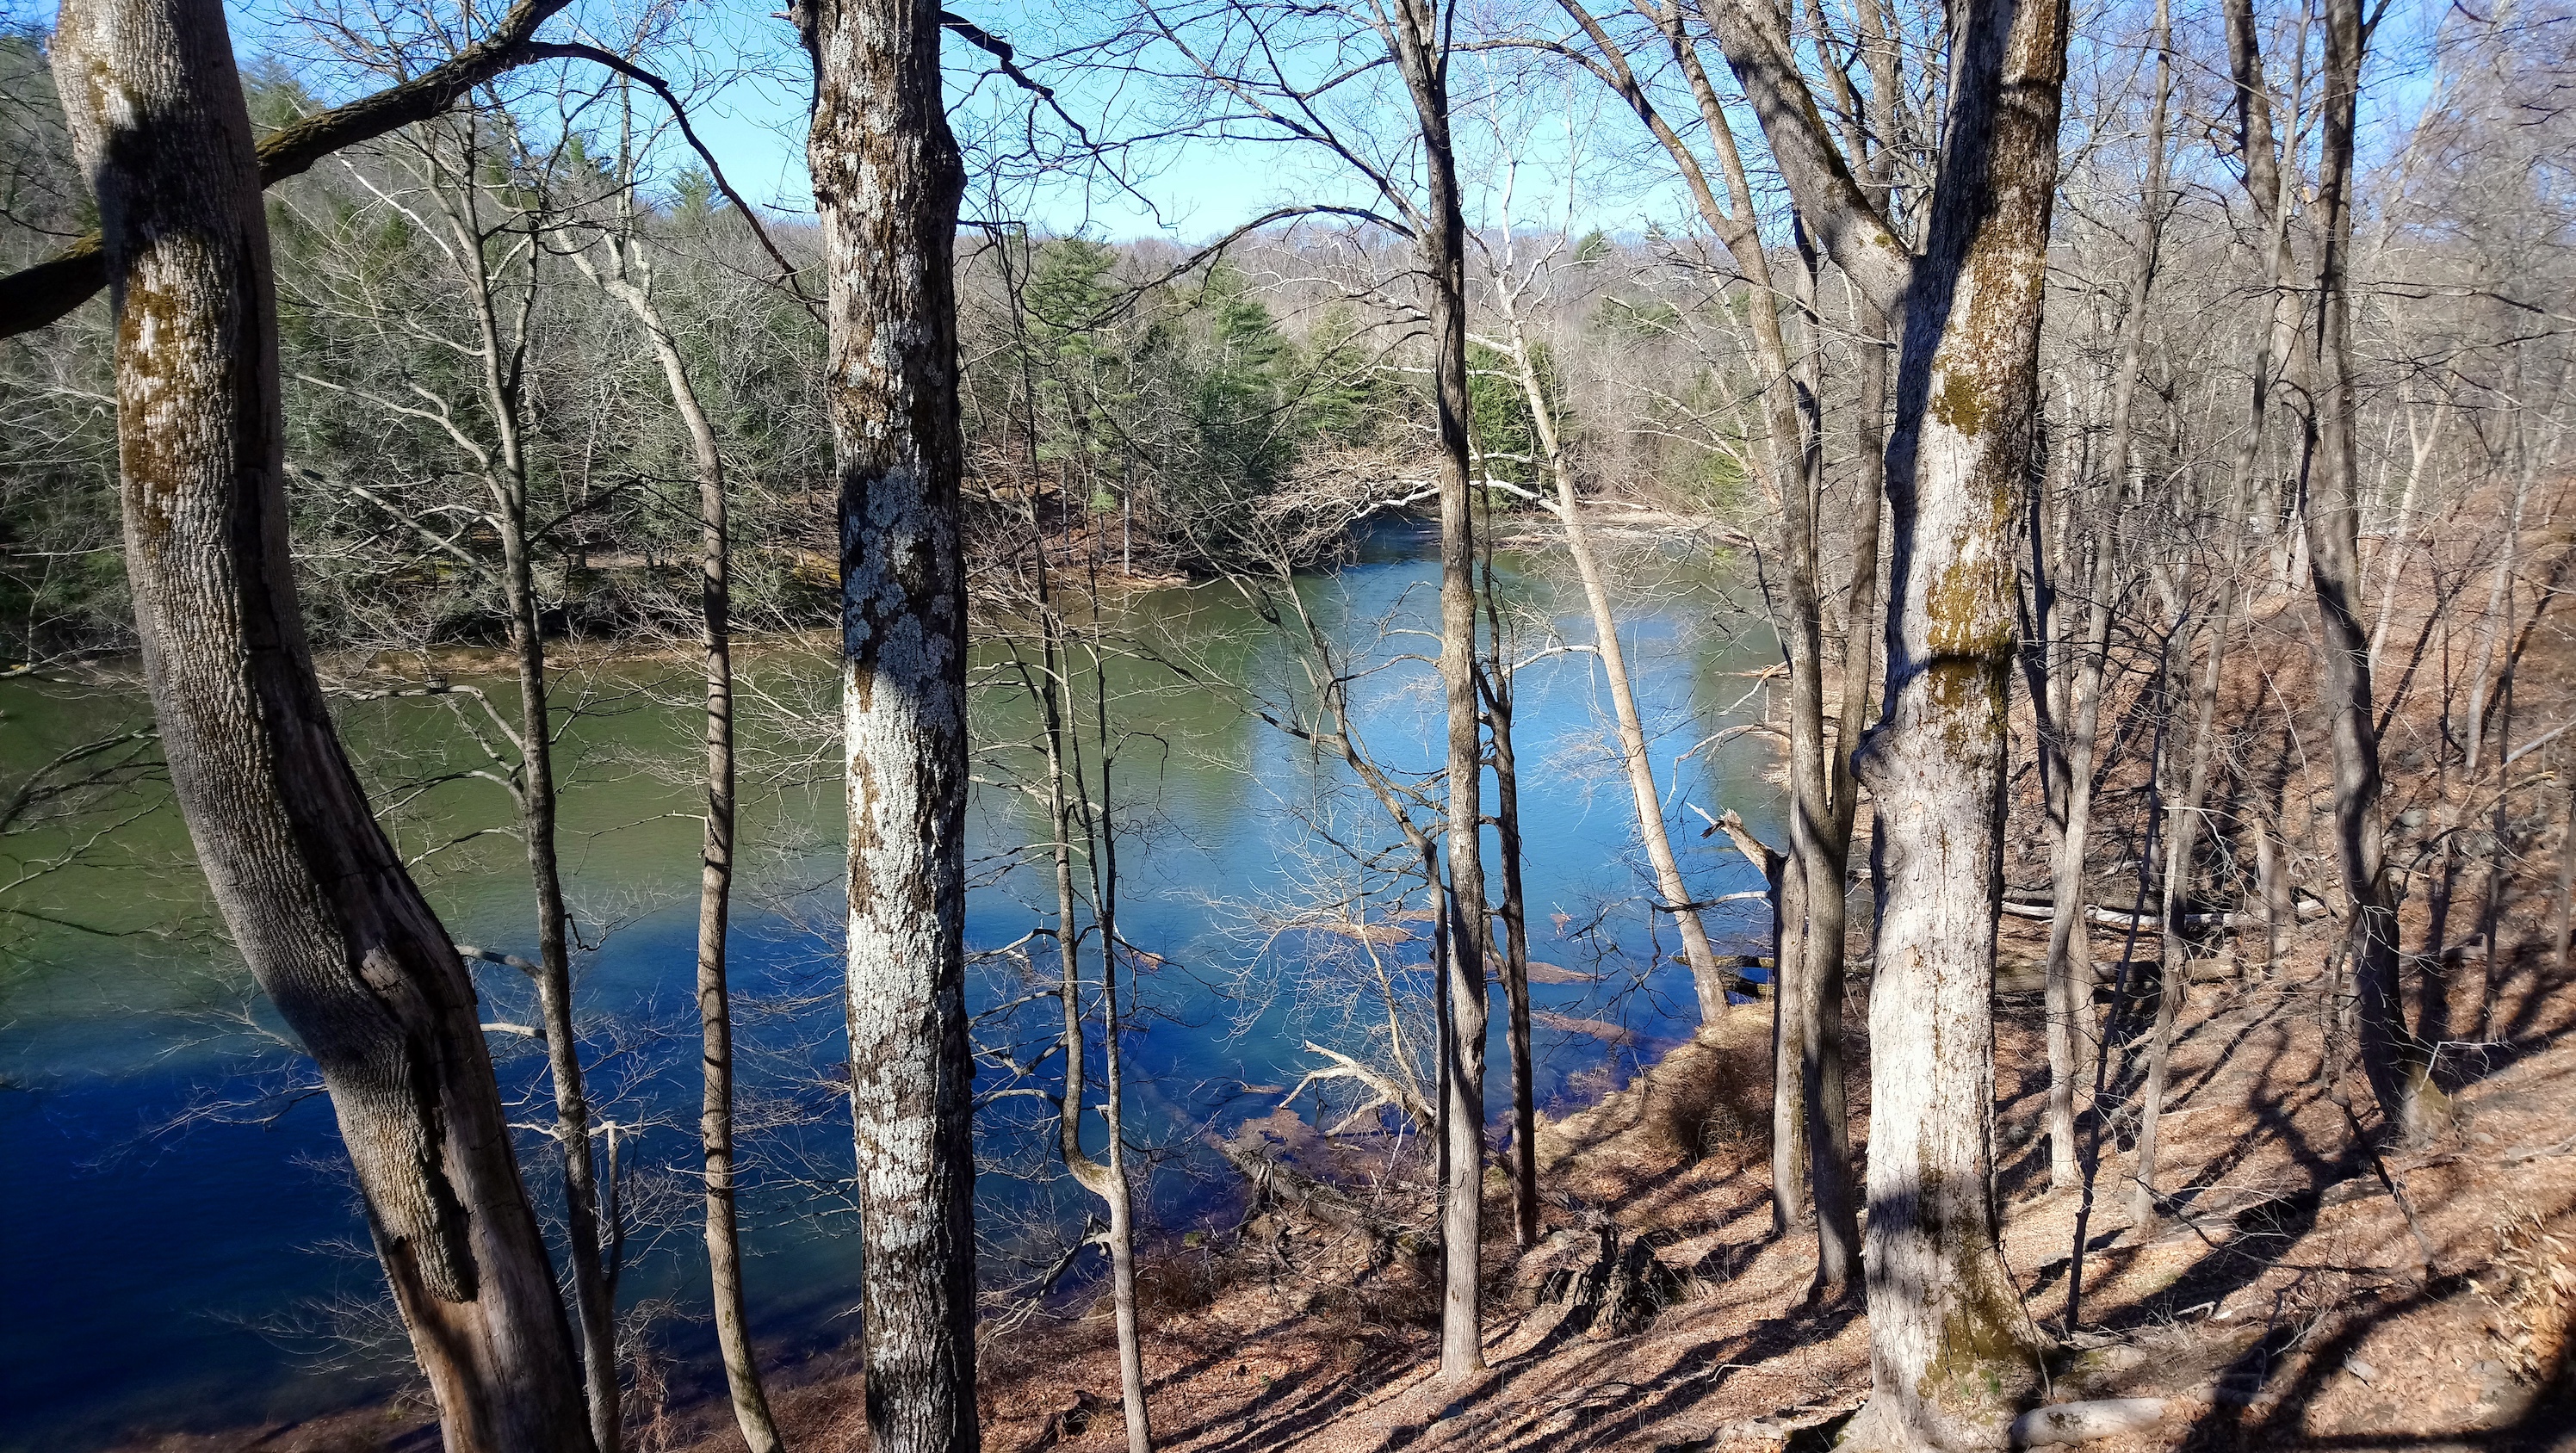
x=165, y=1277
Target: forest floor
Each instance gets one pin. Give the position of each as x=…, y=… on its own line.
x=2283, y=1303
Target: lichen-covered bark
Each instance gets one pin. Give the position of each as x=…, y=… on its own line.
x=1950, y=1355
x=886, y=184
x=320, y=905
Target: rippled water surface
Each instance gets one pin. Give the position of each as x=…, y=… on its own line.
x=179, y=1241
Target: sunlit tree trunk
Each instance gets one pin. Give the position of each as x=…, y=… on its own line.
x=1513, y=910
x=1422, y=58
x=2396, y=1062
x=1950, y=1356
x=715, y=876
x=316, y=898
x=887, y=178
x=504, y=349
x=2071, y=1026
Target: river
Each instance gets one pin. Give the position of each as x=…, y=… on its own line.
x=183, y=1252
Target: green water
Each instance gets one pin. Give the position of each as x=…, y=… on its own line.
x=182, y=1230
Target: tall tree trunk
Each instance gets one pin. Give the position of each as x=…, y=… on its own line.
x=1514, y=912
x=1797, y=1057
x=1950, y=1355
x=1706, y=977
x=2070, y=986
x=1826, y=1090
x=1807, y=1094
x=1423, y=59
x=2182, y=831
x=2396, y=1062
x=318, y=901
x=1121, y=1192
x=2071, y=1023
x=715, y=877
x=1067, y=815
x=887, y=179
x=592, y=1298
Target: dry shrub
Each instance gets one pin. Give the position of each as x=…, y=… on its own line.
x=2531, y=1287
x=1178, y=1279
x=1698, y=1105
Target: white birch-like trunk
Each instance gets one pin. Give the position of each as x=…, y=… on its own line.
x=887, y=179
x=1951, y=1355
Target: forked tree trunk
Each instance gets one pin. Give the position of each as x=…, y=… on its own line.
x=1706, y=976
x=318, y=901
x=1803, y=953
x=887, y=178
x=715, y=876
x=1422, y=57
x=2397, y=1064
x=1068, y=815
x=1950, y=1352
x=1121, y=1191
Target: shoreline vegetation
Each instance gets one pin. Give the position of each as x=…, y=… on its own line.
x=2099, y=477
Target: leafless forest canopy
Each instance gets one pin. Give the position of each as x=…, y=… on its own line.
x=2141, y=425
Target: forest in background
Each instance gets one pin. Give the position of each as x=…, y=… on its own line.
x=2254, y=331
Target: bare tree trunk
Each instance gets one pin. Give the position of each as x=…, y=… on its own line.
x=316, y=898
x=1801, y=950
x=1423, y=60
x=2397, y=1064
x=2393, y=548
x=592, y=1299
x=1121, y=1191
x=2071, y=1023
x=887, y=178
x=1067, y=814
x=1950, y=1347
x=1634, y=759
x=1825, y=1087
x=1514, y=913
x=715, y=879
x=1809, y=959
x=2070, y=988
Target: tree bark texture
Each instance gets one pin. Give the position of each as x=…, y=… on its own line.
x=887, y=179
x=1422, y=57
x=1949, y=1351
x=318, y=901
x=2397, y=1064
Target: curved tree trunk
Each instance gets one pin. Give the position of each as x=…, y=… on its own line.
x=887, y=178
x=715, y=876
x=319, y=903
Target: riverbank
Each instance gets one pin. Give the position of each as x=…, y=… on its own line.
x=2286, y=1305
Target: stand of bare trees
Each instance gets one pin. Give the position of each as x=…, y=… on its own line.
x=2217, y=417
